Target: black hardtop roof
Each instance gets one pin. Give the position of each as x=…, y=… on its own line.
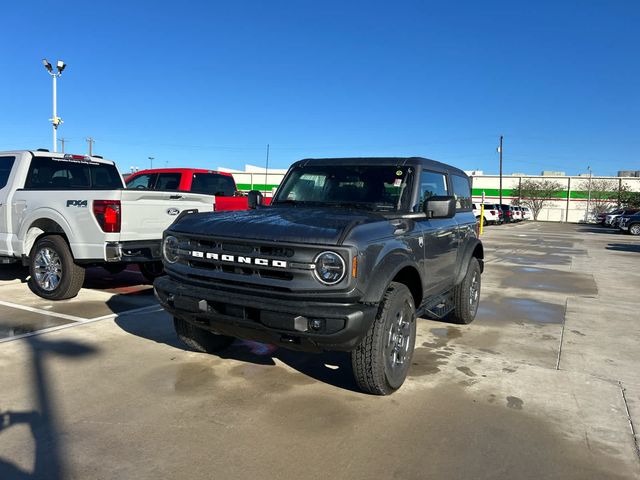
x=397, y=161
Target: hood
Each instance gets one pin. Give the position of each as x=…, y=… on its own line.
x=288, y=224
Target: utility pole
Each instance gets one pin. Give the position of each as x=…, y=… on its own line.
x=500, y=151
x=151, y=161
x=62, y=141
x=266, y=170
x=90, y=141
x=586, y=215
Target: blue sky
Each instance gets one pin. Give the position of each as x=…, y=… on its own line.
x=206, y=84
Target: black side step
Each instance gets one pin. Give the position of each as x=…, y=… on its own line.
x=437, y=307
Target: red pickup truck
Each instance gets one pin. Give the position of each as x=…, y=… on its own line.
x=210, y=182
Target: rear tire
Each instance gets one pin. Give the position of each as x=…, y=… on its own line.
x=199, y=339
x=634, y=229
x=382, y=360
x=466, y=295
x=151, y=270
x=54, y=275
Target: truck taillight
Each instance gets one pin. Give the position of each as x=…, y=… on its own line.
x=108, y=214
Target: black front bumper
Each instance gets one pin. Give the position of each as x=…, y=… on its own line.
x=288, y=323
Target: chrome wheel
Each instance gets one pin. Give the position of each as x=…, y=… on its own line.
x=48, y=269
x=474, y=292
x=635, y=229
x=399, y=338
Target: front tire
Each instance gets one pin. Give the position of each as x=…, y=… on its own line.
x=634, y=229
x=381, y=361
x=54, y=275
x=466, y=295
x=199, y=339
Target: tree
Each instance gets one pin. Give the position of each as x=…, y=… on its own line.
x=536, y=194
x=605, y=193
x=630, y=199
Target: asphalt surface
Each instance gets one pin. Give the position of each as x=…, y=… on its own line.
x=544, y=384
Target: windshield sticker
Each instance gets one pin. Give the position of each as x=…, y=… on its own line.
x=397, y=182
x=398, y=173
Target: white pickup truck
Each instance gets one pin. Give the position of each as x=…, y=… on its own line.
x=61, y=213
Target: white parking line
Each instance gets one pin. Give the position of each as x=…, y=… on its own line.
x=80, y=321
x=73, y=318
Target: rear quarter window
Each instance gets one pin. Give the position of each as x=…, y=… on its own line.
x=6, y=164
x=213, y=184
x=461, y=192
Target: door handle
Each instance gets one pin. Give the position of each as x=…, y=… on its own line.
x=175, y=197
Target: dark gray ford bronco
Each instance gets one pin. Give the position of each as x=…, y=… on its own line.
x=349, y=252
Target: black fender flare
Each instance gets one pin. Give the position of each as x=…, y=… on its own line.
x=384, y=273
x=473, y=248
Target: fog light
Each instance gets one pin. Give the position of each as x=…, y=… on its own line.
x=316, y=324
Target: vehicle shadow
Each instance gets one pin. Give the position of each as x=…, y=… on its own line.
x=333, y=368
x=14, y=271
x=42, y=422
x=624, y=247
x=596, y=229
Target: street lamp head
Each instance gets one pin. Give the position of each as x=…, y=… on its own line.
x=47, y=65
x=61, y=66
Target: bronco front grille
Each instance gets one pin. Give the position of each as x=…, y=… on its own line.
x=265, y=265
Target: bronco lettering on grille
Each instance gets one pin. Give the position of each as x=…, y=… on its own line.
x=263, y=262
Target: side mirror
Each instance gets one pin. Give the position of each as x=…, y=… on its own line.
x=254, y=199
x=440, y=207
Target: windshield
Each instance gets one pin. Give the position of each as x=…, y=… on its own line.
x=380, y=187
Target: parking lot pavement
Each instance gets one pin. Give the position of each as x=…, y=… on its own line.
x=544, y=384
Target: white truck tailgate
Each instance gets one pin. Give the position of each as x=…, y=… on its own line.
x=146, y=214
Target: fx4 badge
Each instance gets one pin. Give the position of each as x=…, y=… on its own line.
x=77, y=203
x=173, y=211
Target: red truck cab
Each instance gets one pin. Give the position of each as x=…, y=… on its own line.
x=209, y=182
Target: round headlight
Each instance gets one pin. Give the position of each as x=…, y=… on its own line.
x=170, y=249
x=330, y=268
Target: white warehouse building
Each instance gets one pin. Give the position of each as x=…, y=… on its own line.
x=570, y=206
x=571, y=203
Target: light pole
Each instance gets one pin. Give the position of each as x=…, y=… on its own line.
x=586, y=217
x=500, y=152
x=55, y=120
x=151, y=161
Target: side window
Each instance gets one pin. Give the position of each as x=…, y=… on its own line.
x=143, y=182
x=168, y=181
x=6, y=164
x=432, y=184
x=462, y=192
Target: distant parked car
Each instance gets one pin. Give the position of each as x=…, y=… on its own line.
x=526, y=213
x=508, y=212
x=610, y=220
x=630, y=223
x=195, y=180
x=491, y=214
x=517, y=213
x=500, y=212
x=602, y=216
